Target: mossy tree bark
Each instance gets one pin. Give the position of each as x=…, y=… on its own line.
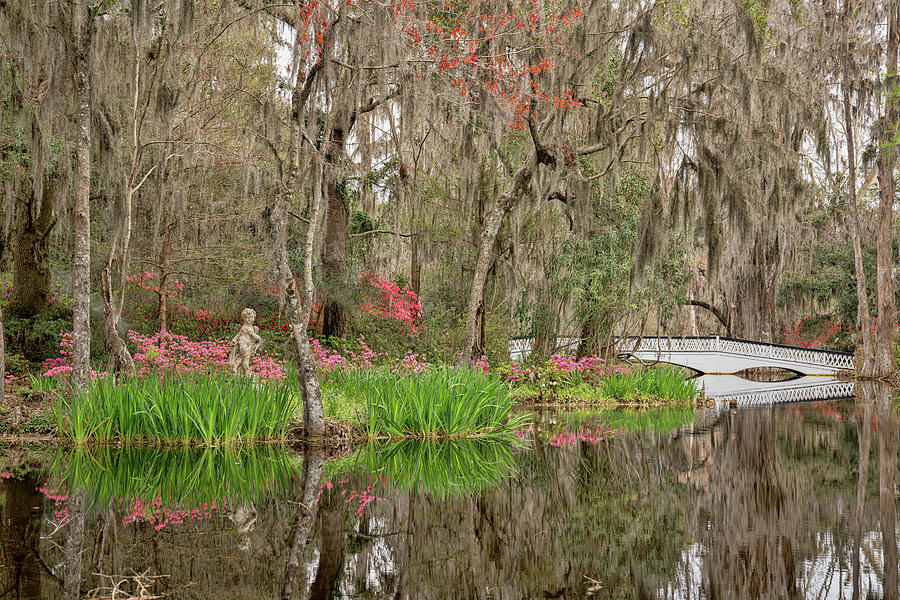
x=863, y=318
x=34, y=220
x=81, y=352
x=887, y=158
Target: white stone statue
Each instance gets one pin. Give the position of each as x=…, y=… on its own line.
x=244, y=344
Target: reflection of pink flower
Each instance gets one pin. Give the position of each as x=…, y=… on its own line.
x=160, y=516
x=591, y=436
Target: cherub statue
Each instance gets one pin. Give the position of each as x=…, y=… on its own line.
x=244, y=344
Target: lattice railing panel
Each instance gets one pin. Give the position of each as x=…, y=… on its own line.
x=805, y=394
x=521, y=347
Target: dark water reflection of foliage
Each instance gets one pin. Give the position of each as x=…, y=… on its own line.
x=105, y=474
x=749, y=504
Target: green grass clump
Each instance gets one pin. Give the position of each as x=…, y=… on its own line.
x=341, y=398
x=442, y=467
x=196, y=476
x=201, y=410
x=445, y=402
x=664, y=384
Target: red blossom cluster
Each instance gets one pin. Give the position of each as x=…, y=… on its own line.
x=389, y=300
x=797, y=336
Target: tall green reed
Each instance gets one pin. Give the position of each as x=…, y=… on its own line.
x=208, y=410
x=443, y=402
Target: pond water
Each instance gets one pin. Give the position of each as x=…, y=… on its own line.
x=755, y=503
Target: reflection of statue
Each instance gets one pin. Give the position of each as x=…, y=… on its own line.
x=245, y=344
x=244, y=518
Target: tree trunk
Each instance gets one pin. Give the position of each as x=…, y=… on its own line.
x=331, y=548
x=887, y=495
x=307, y=506
x=865, y=436
x=415, y=261
x=334, y=248
x=74, y=547
x=81, y=352
x=120, y=359
x=164, y=266
x=30, y=248
x=887, y=154
x=298, y=312
x=22, y=514
x=863, y=318
x=470, y=351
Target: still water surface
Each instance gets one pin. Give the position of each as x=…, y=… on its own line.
x=793, y=501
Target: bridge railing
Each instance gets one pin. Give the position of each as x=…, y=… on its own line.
x=521, y=347
x=832, y=391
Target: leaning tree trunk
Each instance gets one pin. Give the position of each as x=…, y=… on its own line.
x=120, y=359
x=81, y=352
x=887, y=157
x=299, y=311
x=863, y=318
x=470, y=351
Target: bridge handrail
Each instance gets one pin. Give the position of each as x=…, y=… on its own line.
x=731, y=345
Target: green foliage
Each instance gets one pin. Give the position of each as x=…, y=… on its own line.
x=360, y=222
x=758, y=15
x=596, y=272
x=443, y=468
x=208, y=411
x=37, y=338
x=830, y=284
x=16, y=365
x=195, y=477
x=442, y=402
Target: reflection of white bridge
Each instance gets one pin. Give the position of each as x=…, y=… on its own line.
x=730, y=388
x=714, y=354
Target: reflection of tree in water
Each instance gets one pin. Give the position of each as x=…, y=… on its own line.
x=756, y=495
x=887, y=466
x=752, y=515
x=22, y=512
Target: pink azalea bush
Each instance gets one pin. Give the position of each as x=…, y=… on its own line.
x=166, y=351
x=561, y=368
x=61, y=366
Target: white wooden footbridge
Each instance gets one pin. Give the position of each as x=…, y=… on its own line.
x=713, y=355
